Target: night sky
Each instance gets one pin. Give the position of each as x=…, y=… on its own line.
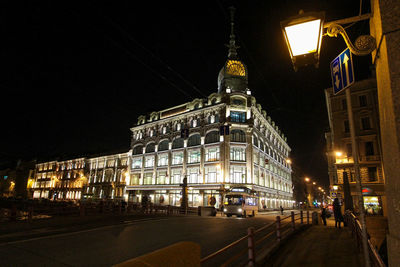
x=76, y=77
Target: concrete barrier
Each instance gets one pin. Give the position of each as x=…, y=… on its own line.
x=178, y=254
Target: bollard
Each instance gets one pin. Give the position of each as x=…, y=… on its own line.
x=308, y=217
x=301, y=217
x=293, y=225
x=251, y=246
x=278, y=228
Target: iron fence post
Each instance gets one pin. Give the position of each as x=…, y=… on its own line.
x=301, y=217
x=278, y=228
x=251, y=246
x=293, y=225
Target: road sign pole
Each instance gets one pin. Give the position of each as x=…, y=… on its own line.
x=357, y=177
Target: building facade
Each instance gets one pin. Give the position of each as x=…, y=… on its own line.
x=59, y=180
x=107, y=177
x=219, y=142
x=339, y=149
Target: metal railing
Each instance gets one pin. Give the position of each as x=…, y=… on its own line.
x=356, y=229
x=257, y=239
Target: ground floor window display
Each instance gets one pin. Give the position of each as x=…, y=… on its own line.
x=372, y=205
x=204, y=197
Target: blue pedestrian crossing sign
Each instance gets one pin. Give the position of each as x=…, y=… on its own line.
x=342, y=71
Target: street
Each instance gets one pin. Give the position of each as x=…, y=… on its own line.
x=108, y=245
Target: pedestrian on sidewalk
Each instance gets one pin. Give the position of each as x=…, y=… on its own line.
x=323, y=215
x=337, y=212
x=281, y=210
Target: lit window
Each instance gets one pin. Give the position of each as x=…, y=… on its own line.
x=238, y=116
x=149, y=162
x=137, y=163
x=193, y=174
x=176, y=176
x=194, y=156
x=238, y=154
x=212, y=154
x=212, y=174
x=148, y=178
x=163, y=159
x=177, y=158
x=161, y=177
x=237, y=174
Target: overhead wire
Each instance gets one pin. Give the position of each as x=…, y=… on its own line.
x=157, y=73
x=117, y=26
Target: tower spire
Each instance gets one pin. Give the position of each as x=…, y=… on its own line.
x=232, y=45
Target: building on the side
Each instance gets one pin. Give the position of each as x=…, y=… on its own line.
x=219, y=142
x=59, y=180
x=106, y=177
x=339, y=148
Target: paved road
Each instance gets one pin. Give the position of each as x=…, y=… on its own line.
x=107, y=245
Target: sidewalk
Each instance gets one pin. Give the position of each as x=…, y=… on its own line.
x=319, y=246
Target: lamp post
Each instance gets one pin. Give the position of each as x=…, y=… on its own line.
x=310, y=26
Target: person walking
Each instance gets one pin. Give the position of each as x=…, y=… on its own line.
x=323, y=215
x=281, y=210
x=337, y=212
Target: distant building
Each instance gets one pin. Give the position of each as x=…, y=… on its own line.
x=7, y=182
x=59, y=180
x=219, y=142
x=339, y=149
x=106, y=176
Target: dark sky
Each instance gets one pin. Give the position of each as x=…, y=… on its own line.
x=76, y=77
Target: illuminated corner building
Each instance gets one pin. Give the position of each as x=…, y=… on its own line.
x=222, y=141
x=106, y=176
x=339, y=149
x=58, y=180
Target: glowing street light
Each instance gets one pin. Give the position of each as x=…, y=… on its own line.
x=303, y=35
x=338, y=153
x=314, y=183
x=307, y=179
x=288, y=161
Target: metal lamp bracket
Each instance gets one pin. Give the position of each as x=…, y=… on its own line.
x=363, y=45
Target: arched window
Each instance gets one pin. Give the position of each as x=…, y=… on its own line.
x=177, y=143
x=150, y=148
x=194, y=140
x=238, y=136
x=163, y=145
x=212, y=137
x=261, y=145
x=137, y=150
x=255, y=141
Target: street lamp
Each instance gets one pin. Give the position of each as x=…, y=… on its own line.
x=307, y=179
x=303, y=34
